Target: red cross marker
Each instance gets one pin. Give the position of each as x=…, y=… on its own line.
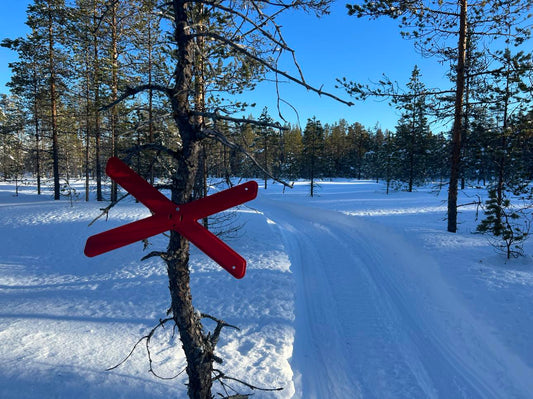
x=166, y=215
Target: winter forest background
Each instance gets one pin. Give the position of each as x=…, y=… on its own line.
x=82, y=56
x=160, y=85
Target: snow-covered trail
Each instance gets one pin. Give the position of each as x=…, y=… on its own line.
x=375, y=318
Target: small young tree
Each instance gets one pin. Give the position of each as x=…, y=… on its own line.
x=509, y=224
x=265, y=144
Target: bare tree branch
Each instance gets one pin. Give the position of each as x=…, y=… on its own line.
x=105, y=211
x=153, y=254
x=269, y=66
x=256, y=26
x=222, y=376
x=220, y=325
x=215, y=116
x=221, y=138
x=148, y=338
x=131, y=91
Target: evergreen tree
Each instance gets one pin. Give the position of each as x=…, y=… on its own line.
x=336, y=150
x=358, y=144
x=412, y=133
x=374, y=167
x=506, y=222
x=48, y=19
x=292, y=140
x=312, y=152
x=432, y=26
x=267, y=145
x=383, y=155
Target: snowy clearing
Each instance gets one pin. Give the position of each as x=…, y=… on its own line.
x=351, y=294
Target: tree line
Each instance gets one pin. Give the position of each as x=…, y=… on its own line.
x=81, y=55
x=404, y=158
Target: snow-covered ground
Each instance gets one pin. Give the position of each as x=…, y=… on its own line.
x=351, y=294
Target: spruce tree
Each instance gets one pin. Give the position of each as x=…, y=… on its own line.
x=508, y=224
x=358, y=144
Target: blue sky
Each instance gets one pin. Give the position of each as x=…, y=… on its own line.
x=331, y=47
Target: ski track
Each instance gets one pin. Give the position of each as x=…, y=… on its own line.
x=371, y=323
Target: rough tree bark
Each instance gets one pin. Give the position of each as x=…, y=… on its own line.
x=96, y=127
x=458, y=118
x=53, y=104
x=114, y=89
x=197, y=347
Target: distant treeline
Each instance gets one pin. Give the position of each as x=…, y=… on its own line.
x=82, y=56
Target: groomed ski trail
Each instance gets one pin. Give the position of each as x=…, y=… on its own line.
x=375, y=319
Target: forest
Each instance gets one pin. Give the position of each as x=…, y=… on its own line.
x=57, y=123
x=158, y=84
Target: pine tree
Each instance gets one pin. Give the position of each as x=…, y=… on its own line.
x=312, y=152
x=292, y=139
x=48, y=19
x=336, y=148
x=238, y=41
x=28, y=83
x=412, y=133
x=266, y=145
x=358, y=143
x=509, y=224
x=433, y=25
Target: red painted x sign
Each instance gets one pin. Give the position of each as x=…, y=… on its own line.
x=166, y=215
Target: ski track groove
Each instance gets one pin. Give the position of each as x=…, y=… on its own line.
x=381, y=346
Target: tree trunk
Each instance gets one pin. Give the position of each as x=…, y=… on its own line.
x=457, y=123
x=197, y=347
x=37, y=139
x=265, y=177
x=96, y=69
x=114, y=91
x=53, y=106
x=502, y=158
x=87, y=122
x=150, y=96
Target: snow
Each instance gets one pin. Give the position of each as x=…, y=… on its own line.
x=350, y=294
